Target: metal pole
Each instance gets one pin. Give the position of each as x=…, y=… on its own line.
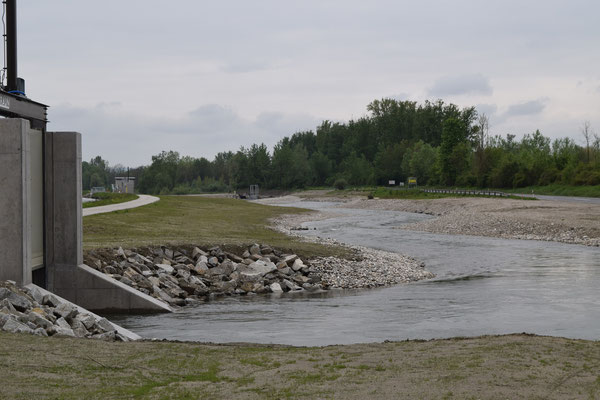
x=11, y=44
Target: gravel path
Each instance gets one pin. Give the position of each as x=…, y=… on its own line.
x=142, y=200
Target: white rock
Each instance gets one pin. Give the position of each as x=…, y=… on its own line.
x=276, y=287
x=166, y=268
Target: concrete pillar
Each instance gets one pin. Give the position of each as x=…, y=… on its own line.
x=15, y=209
x=64, y=225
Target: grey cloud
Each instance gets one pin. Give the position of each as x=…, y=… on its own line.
x=487, y=109
x=461, y=84
x=131, y=139
x=528, y=108
x=403, y=96
x=244, y=67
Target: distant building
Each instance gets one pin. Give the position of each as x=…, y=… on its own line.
x=124, y=184
x=254, y=191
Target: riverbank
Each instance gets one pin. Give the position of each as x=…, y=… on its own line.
x=558, y=221
x=489, y=367
x=182, y=275
x=502, y=218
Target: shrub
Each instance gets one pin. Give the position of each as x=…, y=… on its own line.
x=340, y=184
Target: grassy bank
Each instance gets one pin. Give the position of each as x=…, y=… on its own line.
x=195, y=220
x=492, y=367
x=106, y=198
x=559, y=190
x=382, y=192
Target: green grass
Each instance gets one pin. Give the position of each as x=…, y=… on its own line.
x=200, y=221
x=65, y=368
x=555, y=190
x=107, y=198
x=418, y=194
x=559, y=190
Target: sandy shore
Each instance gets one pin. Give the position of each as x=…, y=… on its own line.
x=558, y=221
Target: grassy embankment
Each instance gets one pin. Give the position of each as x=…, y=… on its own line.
x=106, y=198
x=492, y=367
x=396, y=193
x=559, y=190
x=194, y=220
x=553, y=190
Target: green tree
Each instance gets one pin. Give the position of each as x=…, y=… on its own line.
x=453, y=150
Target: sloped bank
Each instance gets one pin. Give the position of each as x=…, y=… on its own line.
x=185, y=274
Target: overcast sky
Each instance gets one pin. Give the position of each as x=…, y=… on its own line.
x=136, y=77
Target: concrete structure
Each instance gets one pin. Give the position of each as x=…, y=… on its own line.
x=254, y=192
x=124, y=184
x=40, y=177
x=16, y=212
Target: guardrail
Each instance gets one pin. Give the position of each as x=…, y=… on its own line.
x=468, y=192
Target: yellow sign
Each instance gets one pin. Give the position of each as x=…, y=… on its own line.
x=412, y=180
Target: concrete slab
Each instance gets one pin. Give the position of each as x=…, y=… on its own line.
x=97, y=291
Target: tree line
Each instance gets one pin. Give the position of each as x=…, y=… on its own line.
x=438, y=143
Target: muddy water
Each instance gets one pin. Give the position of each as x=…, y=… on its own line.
x=483, y=286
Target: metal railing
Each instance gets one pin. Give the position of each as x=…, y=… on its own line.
x=468, y=192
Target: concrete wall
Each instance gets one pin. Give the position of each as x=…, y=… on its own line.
x=15, y=210
x=66, y=274
x=64, y=223
x=97, y=291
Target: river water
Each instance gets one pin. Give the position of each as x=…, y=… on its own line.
x=482, y=286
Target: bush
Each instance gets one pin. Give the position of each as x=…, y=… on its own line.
x=520, y=180
x=340, y=184
x=548, y=177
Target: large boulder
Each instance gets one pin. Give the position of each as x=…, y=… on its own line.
x=21, y=303
x=165, y=268
x=66, y=311
x=254, y=250
x=225, y=268
x=63, y=328
x=275, y=287
x=13, y=326
x=260, y=267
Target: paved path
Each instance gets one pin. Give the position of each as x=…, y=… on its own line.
x=142, y=200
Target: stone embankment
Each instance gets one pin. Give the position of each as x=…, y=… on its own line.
x=183, y=275
x=27, y=310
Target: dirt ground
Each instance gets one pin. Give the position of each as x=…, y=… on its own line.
x=567, y=222
x=490, y=367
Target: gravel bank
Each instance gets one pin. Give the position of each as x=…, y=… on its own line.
x=367, y=267
x=503, y=218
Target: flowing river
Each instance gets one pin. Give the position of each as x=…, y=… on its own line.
x=482, y=286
